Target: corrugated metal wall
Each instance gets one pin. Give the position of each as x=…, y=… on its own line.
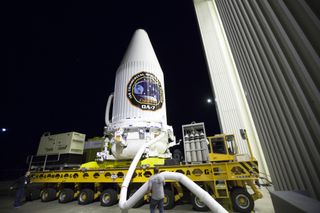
x=230, y=99
x=276, y=47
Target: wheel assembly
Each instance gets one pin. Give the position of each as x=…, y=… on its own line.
x=241, y=200
x=32, y=194
x=86, y=196
x=197, y=204
x=108, y=197
x=66, y=195
x=168, y=201
x=48, y=194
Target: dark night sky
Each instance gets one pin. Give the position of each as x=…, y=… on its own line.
x=61, y=60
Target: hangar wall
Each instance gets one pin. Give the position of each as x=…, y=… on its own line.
x=230, y=101
x=275, y=46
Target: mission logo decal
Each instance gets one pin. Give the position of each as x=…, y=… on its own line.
x=145, y=91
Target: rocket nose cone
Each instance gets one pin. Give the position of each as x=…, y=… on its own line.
x=141, y=31
x=140, y=49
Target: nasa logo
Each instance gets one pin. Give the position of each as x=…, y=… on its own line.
x=144, y=90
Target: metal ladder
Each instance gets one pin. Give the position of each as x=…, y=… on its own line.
x=221, y=189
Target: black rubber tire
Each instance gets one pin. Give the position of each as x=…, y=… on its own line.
x=140, y=202
x=198, y=205
x=108, y=197
x=241, y=200
x=168, y=202
x=86, y=196
x=66, y=195
x=32, y=194
x=48, y=194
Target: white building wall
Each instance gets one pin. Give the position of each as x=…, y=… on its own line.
x=232, y=107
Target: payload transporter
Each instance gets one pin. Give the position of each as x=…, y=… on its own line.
x=211, y=175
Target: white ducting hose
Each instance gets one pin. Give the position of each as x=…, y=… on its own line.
x=125, y=204
x=124, y=188
x=203, y=195
x=107, y=118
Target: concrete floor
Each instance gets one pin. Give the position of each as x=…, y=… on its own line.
x=6, y=199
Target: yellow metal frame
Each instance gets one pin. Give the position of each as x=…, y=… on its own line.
x=214, y=176
x=148, y=162
x=246, y=170
x=215, y=157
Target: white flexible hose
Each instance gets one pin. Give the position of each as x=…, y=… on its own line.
x=107, y=119
x=133, y=165
x=125, y=204
x=203, y=195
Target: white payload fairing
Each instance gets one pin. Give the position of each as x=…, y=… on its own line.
x=139, y=109
x=138, y=127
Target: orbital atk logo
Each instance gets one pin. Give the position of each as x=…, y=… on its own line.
x=144, y=90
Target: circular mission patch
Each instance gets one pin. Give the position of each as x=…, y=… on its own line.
x=144, y=90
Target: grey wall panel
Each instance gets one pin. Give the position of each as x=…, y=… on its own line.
x=276, y=50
